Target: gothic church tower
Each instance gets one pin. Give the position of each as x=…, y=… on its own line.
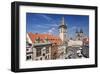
x=79, y=34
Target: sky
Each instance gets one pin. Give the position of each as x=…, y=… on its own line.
x=49, y=23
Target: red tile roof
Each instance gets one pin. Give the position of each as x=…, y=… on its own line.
x=51, y=38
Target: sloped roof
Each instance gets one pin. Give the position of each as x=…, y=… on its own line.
x=51, y=38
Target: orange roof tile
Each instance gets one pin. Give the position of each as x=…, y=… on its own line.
x=51, y=38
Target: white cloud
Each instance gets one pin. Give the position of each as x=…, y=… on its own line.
x=50, y=31
x=46, y=17
x=42, y=26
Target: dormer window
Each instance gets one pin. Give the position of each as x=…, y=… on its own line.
x=46, y=40
x=37, y=40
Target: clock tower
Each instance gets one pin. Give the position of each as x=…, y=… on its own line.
x=63, y=31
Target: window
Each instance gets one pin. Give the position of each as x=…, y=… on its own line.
x=61, y=30
x=37, y=40
x=30, y=44
x=28, y=57
x=26, y=49
x=47, y=49
x=55, y=55
x=41, y=58
x=78, y=38
x=48, y=56
x=46, y=39
x=43, y=54
x=38, y=52
x=45, y=57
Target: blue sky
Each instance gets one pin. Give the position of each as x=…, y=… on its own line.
x=49, y=23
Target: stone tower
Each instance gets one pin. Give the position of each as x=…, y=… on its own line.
x=79, y=34
x=63, y=31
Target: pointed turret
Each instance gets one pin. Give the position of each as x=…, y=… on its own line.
x=63, y=23
x=76, y=30
x=81, y=31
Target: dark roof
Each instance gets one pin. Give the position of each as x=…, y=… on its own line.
x=63, y=26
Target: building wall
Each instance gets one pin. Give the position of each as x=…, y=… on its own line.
x=44, y=55
x=28, y=38
x=29, y=52
x=75, y=43
x=63, y=34
x=54, y=52
x=61, y=51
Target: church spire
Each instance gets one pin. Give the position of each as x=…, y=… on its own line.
x=63, y=25
x=81, y=30
x=63, y=21
x=76, y=30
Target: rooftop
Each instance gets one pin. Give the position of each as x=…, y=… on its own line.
x=43, y=38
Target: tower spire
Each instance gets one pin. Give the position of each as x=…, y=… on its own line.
x=63, y=21
x=81, y=30
x=76, y=30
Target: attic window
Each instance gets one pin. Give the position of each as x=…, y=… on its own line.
x=37, y=40
x=46, y=40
